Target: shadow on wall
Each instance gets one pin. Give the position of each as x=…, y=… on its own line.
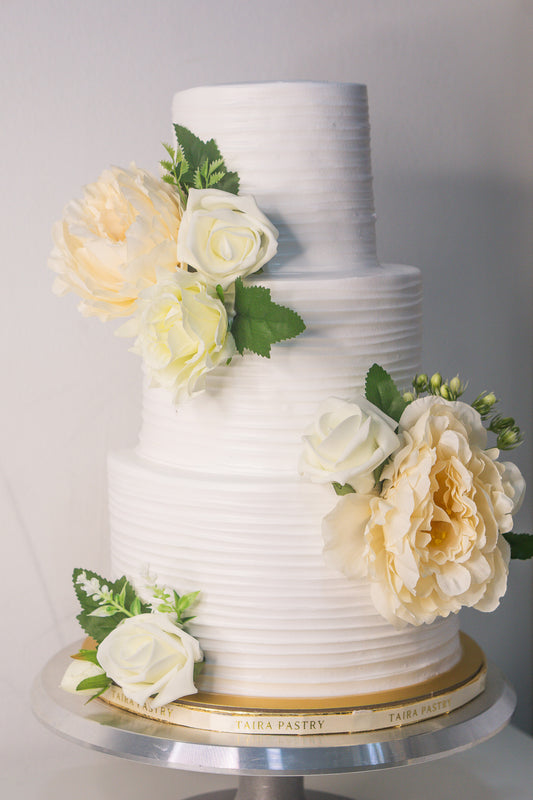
x=473, y=241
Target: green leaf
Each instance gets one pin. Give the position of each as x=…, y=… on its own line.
x=87, y=655
x=219, y=162
x=381, y=390
x=229, y=183
x=186, y=600
x=379, y=470
x=94, y=682
x=214, y=178
x=343, y=488
x=136, y=607
x=122, y=595
x=97, y=694
x=197, y=670
x=259, y=322
x=205, y=165
x=98, y=682
x=104, y=611
x=521, y=545
x=100, y=626
x=194, y=149
x=170, y=150
x=197, y=180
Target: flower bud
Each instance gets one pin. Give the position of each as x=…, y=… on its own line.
x=455, y=384
x=484, y=403
x=420, y=382
x=408, y=397
x=445, y=392
x=457, y=387
x=435, y=382
x=499, y=423
x=509, y=438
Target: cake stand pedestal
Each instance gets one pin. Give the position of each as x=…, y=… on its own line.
x=270, y=767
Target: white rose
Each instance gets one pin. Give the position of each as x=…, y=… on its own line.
x=431, y=542
x=346, y=442
x=109, y=243
x=148, y=655
x=224, y=236
x=182, y=333
x=76, y=672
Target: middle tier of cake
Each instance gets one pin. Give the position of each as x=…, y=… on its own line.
x=253, y=413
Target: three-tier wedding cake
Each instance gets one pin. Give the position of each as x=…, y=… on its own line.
x=211, y=498
x=229, y=490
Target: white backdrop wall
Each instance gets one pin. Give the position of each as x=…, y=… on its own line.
x=85, y=85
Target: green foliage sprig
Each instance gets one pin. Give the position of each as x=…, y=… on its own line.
x=104, y=604
x=381, y=390
x=508, y=434
x=97, y=682
x=196, y=164
x=258, y=322
x=167, y=601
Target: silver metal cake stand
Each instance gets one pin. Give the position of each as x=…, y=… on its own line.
x=270, y=767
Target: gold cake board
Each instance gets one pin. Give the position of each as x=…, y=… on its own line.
x=301, y=716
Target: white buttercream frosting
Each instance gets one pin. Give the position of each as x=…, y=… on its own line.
x=273, y=619
x=303, y=151
x=212, y=499
x=253, y=413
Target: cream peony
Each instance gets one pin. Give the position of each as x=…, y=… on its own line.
x=76, y=672
x=109, y=243
x=513, y=482
x=346, y=442
x=431, y=542
x=224, y=236
x=182, y=333
x=148, y=655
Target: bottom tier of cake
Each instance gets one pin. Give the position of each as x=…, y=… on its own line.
x=273, y=620
x=369, y=712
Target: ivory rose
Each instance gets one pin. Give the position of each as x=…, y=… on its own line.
x=224, y=236
x=431, y=542
x=346, y=442
x=182, y=333
x=148, y=655
x=109, y=243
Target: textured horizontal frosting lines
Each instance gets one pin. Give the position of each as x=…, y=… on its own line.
x=253, y=413
x=273, y=618
x=303, y=150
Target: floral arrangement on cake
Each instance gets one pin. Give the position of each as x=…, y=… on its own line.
x=425, y=506
x=173, y=254
x=139, y=641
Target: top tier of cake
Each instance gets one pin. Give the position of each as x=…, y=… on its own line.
x=303, y=150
